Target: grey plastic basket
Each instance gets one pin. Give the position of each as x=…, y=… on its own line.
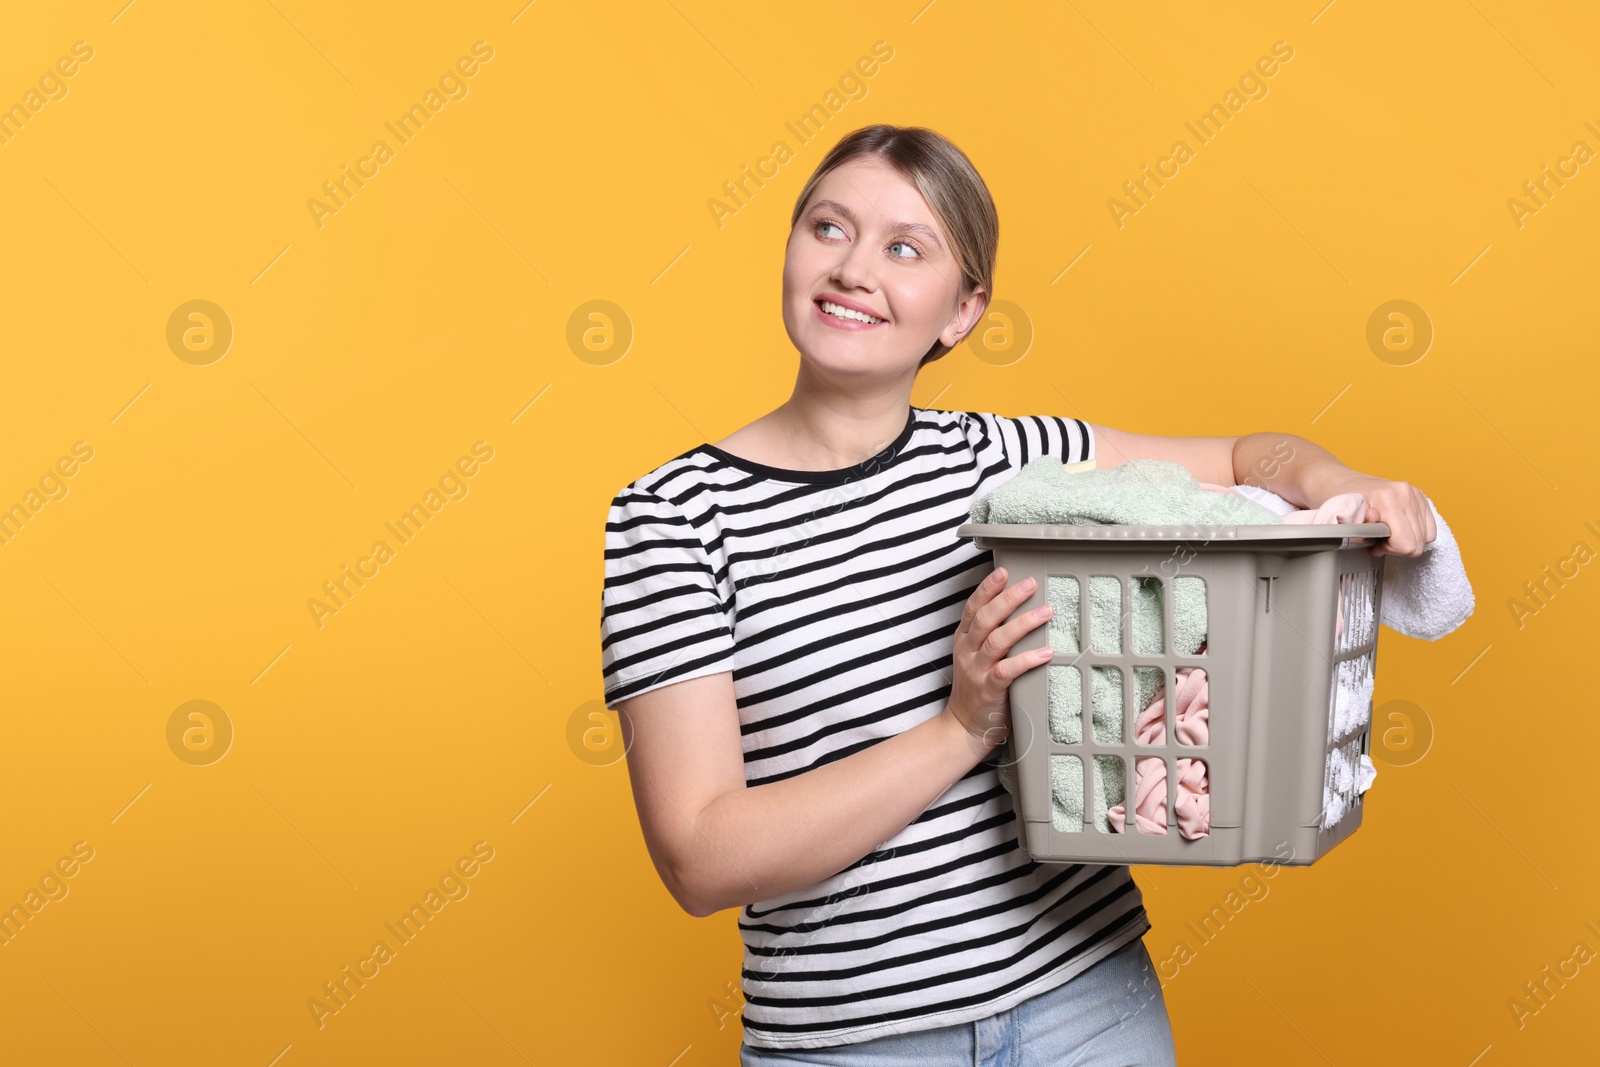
x=1272, y=659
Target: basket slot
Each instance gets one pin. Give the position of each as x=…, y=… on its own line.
x=1109, y=721
x=1104, y=634
x=1066, y=780
x=1071, y=612
x=1167, y=788
x=1144, y=644
x=1340, y=783
x=1350, y=696
x=1110, y=780
x=1066, y=725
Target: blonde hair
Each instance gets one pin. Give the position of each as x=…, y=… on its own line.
x=948, y=181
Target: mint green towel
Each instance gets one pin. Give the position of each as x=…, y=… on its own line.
x=1136, y=492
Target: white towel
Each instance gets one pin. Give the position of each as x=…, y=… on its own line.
x=1424, y=596
x=1428, y=596
x=1342, y=783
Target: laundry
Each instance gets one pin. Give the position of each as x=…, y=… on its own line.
x=1343, y=782
x=1065, y=686
x=1425, y=596
x=1351, y=701
x=1138, y=492
x=1193, y=800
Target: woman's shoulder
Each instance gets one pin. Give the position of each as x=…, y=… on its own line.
x=677, y=480
x=1024, y=437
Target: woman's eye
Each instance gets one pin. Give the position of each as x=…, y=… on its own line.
x=823, y=224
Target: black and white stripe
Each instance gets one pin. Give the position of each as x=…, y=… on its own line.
x=833, y=597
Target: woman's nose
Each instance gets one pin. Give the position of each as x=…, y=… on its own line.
x=857, y=268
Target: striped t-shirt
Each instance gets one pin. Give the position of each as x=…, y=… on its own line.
x=833, y=597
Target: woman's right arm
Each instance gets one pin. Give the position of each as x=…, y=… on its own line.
x=718, y=843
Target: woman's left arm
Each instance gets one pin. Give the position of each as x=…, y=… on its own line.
x=1306, y=474
x=1294, y=468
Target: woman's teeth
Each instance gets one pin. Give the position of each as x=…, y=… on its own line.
x=846, y=313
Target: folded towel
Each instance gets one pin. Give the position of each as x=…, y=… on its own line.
x=1139, y=492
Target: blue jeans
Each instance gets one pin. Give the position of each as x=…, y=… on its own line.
x=1112, y=1015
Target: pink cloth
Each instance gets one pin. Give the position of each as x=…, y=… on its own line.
x=1150, y=772
x=1346, y=507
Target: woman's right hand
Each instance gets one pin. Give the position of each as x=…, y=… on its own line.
x=980, y=693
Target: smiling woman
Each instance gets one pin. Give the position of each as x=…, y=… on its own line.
x=778, y=625
x=808, y=661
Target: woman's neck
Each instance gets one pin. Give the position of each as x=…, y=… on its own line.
x=833, y=433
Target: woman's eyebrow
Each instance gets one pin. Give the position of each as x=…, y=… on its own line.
x=913, y=227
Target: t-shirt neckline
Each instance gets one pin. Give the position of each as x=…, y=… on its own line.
x=883, y=460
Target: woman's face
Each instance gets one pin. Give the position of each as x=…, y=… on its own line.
x=869, y=241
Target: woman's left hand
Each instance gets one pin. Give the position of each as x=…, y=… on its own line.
x=1400, y=505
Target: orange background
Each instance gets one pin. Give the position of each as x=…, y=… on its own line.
x=451, y=701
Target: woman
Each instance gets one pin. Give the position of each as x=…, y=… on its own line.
x=812, y=671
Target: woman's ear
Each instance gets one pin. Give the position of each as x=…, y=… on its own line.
x=968, y=314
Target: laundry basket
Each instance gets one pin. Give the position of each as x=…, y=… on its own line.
x=1291, y=616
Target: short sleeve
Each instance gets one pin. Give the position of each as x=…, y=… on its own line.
x=1025, y=438
x=661, y=618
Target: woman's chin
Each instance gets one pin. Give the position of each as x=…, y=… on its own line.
x=847, y=360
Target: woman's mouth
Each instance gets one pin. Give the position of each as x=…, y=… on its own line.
x=843, y=318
